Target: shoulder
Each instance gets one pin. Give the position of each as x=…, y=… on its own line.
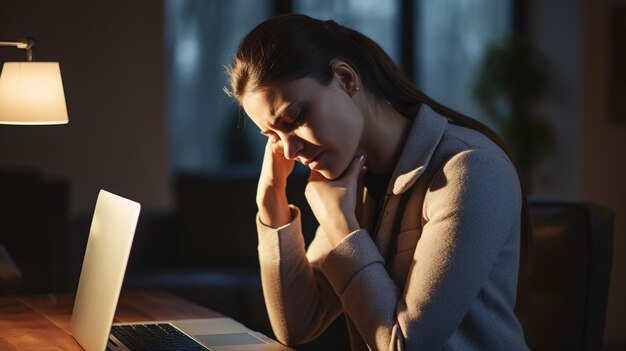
x=476, y=167
x=475, y=180
x=468, y=157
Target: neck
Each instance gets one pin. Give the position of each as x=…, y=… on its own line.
x=385, y=133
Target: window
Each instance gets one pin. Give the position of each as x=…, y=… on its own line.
x=375, y=18
x=202, y=35
x=451, y=38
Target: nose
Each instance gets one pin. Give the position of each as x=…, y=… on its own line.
x=292, y=145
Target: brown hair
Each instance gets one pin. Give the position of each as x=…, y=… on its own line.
x=294, y=46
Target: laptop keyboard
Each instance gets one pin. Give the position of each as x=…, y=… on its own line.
x=152, y=337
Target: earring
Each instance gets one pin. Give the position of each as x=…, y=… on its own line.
x=356, y=90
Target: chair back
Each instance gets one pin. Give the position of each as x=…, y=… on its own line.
x=562, y=302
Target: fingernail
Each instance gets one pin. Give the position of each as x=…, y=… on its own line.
x=362, y=159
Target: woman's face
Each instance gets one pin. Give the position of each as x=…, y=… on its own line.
x=317, y=125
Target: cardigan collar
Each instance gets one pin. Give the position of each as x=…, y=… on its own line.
x=424, y=137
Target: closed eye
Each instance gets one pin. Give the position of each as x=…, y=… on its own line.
x=285, y=125
x=298, y=121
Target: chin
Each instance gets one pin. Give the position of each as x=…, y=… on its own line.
x=332, y=170
x=326, y=173
x=331, y=174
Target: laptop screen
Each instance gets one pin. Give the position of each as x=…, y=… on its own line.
x=108, y=247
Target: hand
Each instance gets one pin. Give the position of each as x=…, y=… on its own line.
x=271, y=195
x=334, y=201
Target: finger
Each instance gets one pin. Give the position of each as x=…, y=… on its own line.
x=356, y=167
x=276, y=147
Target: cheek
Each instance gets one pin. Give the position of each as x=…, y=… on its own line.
x=341, y=123
x=342, y=132
x=348, y=128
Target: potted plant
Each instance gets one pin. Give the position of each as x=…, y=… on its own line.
x=512, y=80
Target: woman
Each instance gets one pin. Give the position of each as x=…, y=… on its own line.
x=420, y=209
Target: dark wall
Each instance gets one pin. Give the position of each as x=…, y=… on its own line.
x=112, y=63
x=603, y=170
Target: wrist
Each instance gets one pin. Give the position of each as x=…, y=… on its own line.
x=341, y=229
x=269, y=196
x=273, y=208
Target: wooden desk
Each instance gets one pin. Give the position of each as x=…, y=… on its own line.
x=43, y=322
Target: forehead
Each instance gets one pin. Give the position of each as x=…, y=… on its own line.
x=264, y=104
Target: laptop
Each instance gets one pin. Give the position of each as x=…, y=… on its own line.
x=108, y=247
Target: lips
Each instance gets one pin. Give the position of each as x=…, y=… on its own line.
x=315, y=158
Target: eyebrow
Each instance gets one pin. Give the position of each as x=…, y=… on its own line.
x=276, y=116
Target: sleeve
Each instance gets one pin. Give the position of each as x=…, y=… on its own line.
x=300, y=301
x=472, y=204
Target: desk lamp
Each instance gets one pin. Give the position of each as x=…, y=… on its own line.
x=31, y=93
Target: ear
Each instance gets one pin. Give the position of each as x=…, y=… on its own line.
x=344, y=76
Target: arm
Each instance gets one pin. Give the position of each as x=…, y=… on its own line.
x=473, y=202
x=299, y=300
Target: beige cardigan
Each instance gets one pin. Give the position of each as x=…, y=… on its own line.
x=446, y=281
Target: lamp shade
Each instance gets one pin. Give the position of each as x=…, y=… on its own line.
x=32, y=93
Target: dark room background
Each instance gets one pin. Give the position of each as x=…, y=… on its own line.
x=143, y=84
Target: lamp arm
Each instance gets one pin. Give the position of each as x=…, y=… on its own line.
x=22, y=44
